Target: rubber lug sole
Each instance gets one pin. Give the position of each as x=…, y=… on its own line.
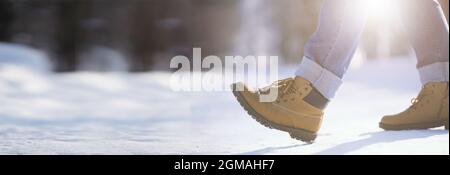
x=295, y=133
x=419, y=126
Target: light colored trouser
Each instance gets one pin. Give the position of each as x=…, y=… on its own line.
x=329, y=51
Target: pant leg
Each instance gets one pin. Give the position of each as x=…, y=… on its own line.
x=330, y=49
x=428, y=31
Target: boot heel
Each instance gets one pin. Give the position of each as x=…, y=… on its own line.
x=446, y=125
x=304, y=136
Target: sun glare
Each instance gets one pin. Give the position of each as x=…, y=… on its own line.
x=381, y=10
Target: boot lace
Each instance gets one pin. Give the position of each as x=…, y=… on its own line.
x=285, y=87
x=416, y=101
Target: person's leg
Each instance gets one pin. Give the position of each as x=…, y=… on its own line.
x=299, y=106
x=330, y=49
x=428, y=31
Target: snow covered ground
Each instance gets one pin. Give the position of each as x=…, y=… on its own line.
x=121, y=113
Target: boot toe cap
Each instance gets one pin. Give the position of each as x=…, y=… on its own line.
x=387, y=119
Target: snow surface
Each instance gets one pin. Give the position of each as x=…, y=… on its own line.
x=122, y=113
x=24, y=56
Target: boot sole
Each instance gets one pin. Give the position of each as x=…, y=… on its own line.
x=419, y=126
x=295, y=133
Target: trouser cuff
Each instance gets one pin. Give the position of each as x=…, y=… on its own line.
x=436, y=72
x=322, y=79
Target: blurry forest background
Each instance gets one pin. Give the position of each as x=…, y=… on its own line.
x=142, y=35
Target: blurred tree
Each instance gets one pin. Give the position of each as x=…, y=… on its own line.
x=296, y=21
x=145, y=37
x=34, y=24
x=6, y=18
x=69, y=34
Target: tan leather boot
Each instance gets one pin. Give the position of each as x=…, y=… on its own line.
x=289, y=113
x=428, y=110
